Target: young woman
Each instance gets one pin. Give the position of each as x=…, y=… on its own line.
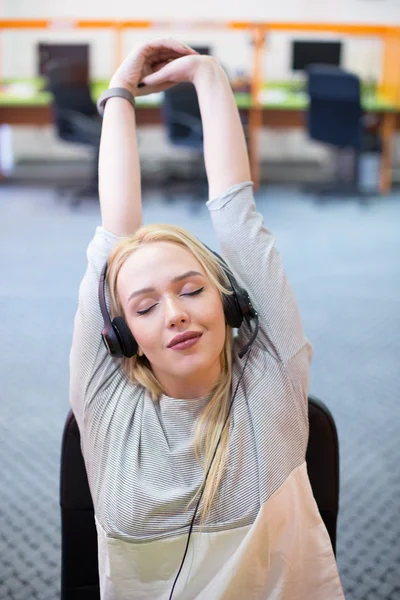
x=186, y=429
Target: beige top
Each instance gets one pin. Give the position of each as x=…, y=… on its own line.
x=265, y=538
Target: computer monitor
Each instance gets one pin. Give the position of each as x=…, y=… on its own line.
x=310, y=52
x=202, y=49
x=64, y=54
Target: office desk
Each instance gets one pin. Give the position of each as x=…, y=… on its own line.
x=21, y=103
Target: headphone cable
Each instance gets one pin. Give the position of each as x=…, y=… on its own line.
x=205, y=479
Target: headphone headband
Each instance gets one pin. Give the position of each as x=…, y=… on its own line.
x=102, y=295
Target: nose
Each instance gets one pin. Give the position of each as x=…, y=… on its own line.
x=175, y=312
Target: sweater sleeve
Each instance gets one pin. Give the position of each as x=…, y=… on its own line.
x=91, y=368
x=249, y=249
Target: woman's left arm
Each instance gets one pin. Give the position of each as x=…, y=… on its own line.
x=249, y=248
x=247, y=245
x=225, y=150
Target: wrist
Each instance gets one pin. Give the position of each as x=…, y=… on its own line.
x=117, y=82
x=114, y=92
x=208, y=68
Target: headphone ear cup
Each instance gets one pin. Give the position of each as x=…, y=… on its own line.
x=233, y=314
x=129, y=345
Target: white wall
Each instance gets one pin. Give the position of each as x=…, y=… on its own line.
x=18, y=54
x=362, y=11
x=361, y=55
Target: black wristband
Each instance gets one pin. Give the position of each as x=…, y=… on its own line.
x=112, y=92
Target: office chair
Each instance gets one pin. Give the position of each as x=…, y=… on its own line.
x=180, y=113
x=335, y=117
x=322, y=458
x=182, y=120
x=75, y=117
x=79, y=561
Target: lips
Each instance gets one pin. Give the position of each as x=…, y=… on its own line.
x=183, y=337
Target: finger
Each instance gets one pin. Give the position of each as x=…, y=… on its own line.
x=164, y=56
x=153, y=89
x=168, y=52
x=172, y=44
x=153, y=68
x=159, y=76
x=160, y=65
x=164, y=60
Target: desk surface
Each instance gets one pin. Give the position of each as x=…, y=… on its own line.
x=27, y=92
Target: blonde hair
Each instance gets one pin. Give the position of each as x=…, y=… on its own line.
x=138, y=369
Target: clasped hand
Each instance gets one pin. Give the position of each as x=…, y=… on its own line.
x=157, y=66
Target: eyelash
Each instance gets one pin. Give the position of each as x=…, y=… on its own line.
x=195, y=293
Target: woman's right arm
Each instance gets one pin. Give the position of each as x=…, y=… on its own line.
x=119, y=166
x=119, y=169
x=91, y=369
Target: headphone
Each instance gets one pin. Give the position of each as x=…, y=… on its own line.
x=119, y=341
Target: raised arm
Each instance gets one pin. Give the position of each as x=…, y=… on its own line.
x=225, y=151
x=119, y=169
x=91, y=369
x=245, y=242
x=119, y=166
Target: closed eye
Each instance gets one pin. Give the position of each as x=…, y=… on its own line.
x=143, y=312
x=147, y=310
x=194, y=293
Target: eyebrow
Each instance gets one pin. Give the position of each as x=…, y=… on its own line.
x=148, y=290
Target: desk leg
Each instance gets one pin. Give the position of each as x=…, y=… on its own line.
x=387, y=133
x=255, y=123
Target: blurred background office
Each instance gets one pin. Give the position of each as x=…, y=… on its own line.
x=321, y=113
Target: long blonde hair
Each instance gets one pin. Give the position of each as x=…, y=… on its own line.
x=138, y=369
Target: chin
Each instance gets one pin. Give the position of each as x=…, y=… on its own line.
x=190, y=364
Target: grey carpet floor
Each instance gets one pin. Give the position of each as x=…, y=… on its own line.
x=343, y=260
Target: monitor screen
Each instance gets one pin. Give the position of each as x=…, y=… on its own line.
x=309, y=52
x=64, y=54
x=202, y=49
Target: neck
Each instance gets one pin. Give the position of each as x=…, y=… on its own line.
x=185, y=388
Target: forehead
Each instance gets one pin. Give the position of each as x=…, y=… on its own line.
x=154, y=264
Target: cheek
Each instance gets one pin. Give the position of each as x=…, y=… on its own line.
x=144, y=333
x=216, y=317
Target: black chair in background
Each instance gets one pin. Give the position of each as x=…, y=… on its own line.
x=79, y=561
x=182, y=121
x=335, y=117
x=78, y=54
x=75, y=117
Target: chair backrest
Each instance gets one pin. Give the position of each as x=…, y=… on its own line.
x=334, y=115
x=322, y=458
x=71, y=93
x=181, y=115
x=79, y=562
